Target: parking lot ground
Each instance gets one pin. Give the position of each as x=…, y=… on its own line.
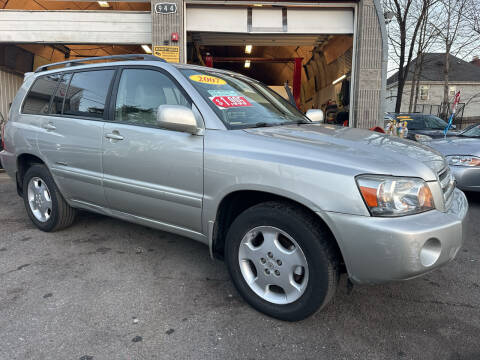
x=107, y=289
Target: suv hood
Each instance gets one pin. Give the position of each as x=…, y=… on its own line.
x=362, y=150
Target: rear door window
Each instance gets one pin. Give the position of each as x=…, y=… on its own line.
x=38, y=98
x=87, y=93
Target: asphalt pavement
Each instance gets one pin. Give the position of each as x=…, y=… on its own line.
x=107, y=289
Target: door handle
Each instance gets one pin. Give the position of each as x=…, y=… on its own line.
x=49, y=126
x=115, y=135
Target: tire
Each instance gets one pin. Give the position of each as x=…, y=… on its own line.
x=314, y=283
x=47, y=216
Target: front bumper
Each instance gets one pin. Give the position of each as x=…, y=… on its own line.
x=377, y=249
x=468, y=178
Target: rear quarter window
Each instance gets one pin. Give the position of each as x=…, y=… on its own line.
x=38, y=98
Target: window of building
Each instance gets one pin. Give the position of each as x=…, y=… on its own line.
x=87, y=93
x=141, y=92
x=38, y=98
x=452, y=90
x=57, y=101
x=424, y=92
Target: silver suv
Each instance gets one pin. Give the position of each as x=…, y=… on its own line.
x=287, y=202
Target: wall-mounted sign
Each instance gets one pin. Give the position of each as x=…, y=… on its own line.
x=167, y=53
x=165, y=8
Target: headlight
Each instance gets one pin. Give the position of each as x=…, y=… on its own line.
x=463, y=160
x=395, y=196
x=420, y=137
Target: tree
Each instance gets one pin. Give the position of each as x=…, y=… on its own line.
x=409, y=16
x=426, y=39
x=475, y=16
x=457, y=34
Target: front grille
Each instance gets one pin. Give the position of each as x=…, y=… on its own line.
x=447, y=183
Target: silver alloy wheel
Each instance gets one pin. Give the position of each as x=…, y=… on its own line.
x=273, y=265
x=39, y=199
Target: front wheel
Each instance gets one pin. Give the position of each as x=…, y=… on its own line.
x=281, y=260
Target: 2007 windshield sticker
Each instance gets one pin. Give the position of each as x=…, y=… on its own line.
x=207, y=79
x=226, y=102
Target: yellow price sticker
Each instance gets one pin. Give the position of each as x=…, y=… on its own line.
x=207, y=79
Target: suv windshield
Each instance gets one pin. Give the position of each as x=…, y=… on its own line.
x=422, y=122
x=241, y=102
x=473, y=132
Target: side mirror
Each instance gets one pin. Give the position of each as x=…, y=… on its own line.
x=177, y=118
x=316, y=115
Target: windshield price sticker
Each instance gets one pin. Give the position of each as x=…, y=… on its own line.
x=222, y=93
x=225, y=102
x=207, y=79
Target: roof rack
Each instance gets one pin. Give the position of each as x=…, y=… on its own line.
x=77, y=62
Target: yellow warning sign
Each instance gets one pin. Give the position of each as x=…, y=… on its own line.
x=167, y=53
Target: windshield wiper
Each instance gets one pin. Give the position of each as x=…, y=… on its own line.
x=264, y=124
x=302, y=122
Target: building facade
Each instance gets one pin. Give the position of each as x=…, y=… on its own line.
x=331, y=53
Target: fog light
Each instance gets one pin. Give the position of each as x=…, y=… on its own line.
x=430, y=252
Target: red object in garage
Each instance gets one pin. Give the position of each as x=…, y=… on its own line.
x=175, y=36
x=297, y=80
x=209, y=60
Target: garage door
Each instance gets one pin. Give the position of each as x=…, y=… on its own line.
x=270, y=20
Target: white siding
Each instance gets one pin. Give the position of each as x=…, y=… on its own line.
x=221, y=19
x=324, y=21
x=299, y=21
x=9, y=85
x=71, y=27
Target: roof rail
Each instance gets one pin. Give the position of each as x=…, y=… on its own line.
x=77, y=62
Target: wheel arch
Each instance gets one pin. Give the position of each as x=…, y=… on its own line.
x=24, y=162
x=234, y=203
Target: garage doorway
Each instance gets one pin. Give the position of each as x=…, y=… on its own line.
x=267, y=43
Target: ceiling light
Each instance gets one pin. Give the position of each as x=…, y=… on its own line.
x=248, y=49
x=339, y=79
x=247, y=64
x=147, y=49
x=103, y=3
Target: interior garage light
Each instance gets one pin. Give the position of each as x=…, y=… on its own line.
x=147, y=49
x=247, y=64
x=248, y=49
x=339, y=79
x=103, y=3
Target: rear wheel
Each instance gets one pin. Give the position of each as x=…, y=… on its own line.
x=45, y=206
x=281, y=260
